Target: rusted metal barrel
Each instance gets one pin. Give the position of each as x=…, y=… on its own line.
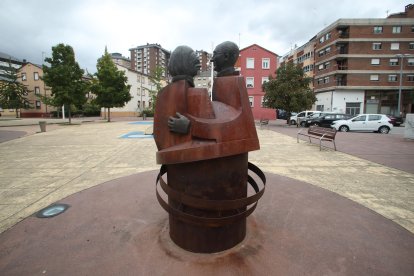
x=207, y=202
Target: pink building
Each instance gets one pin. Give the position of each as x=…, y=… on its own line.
x=256, y=65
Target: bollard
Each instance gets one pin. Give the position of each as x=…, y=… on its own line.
x=42, y=125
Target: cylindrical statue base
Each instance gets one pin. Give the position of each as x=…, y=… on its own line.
x=215, y=179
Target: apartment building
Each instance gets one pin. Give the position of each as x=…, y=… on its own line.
x=31, y=76
x=204, y=58
x=366, y=65
x=141, y=98
x=6, y=61
x=303, y=56
x=256, y=65
x=203, y=80
x=119, y=59
x=145, y=58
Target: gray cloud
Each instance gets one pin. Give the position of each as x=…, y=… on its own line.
x=31, y=27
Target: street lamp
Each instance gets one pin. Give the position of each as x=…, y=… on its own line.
x=401, y=57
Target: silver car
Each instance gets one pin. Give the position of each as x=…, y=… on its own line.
x=365, y=122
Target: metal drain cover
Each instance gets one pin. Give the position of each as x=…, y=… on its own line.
x=52, y=210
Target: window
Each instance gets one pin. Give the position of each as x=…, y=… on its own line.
x=320, y=67
x=262, y=102
x=410, y=77
x=411, y=62
x=360, y=118
x=249, y=82
x=36, y=76
x=376, y=46
x=327, y=36
x=38, y=105
x=265, y=63
x=392, y=78
x=321, y=53
x=328, y=50
x=374, y=78
x=393, y=61
x=24, y=77
x=411, y=46
x=139, y=104
x=353, y=108
x=322, y=39
x=251, y=101
x=37, y=90
x=374, y=117
x=327, y=64
x=138, y=91
x=395, y=46
x=377, y=29
x=265, y=79
x=396, y=29
x=326, y=80
x=375, y=61
x=412, y=29
x=250, y=63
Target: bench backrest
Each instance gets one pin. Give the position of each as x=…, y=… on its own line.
x=319, y=131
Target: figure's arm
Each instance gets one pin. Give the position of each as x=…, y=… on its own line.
x=179, y=125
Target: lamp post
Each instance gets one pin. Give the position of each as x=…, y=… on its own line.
x=401, y=57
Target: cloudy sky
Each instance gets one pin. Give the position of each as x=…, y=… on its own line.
x=29, y=28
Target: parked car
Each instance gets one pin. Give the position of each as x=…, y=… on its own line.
x=365, y=122
x=301, y=116
x=326, y=119
x=282, y=114
x=395, y=120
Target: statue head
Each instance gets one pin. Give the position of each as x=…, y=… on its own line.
x=225, y=56
x=183, y=64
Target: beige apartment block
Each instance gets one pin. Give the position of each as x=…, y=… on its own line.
x=31, y=75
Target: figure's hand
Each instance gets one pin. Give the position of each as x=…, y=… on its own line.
x=180, y=124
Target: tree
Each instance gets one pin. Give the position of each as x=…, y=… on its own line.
x=110, y=85
x=156, y=78
x=289, y=90
x=64, y=77
x=13, y=94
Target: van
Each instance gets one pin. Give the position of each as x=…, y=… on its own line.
x=301, y=116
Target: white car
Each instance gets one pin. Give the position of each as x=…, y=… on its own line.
x=365, y=122
x=301, y=116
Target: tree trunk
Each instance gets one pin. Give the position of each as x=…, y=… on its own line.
x=17, y=113
x=69, y=115
x=109, y=114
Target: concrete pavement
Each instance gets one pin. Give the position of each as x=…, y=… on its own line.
x=39, y=169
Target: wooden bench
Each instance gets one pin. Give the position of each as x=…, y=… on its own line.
x=321, y=133
x=264, y=122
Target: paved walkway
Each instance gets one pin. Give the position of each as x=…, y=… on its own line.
x=39, y=169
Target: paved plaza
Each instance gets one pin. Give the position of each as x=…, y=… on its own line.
x=41, y=168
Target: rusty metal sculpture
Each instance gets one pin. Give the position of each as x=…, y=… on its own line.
x=203, y=147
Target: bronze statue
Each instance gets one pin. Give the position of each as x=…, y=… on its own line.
x=203, y=147
x=224, y=57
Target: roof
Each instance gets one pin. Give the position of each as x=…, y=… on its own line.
x=150, y=46
x=9, y=57
x=260, y=48
x=37, y=65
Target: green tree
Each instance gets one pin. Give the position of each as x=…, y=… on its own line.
x=64, y=77
x=110, y=85
x=156, y=79
x=289, y=90
x=13, y=94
